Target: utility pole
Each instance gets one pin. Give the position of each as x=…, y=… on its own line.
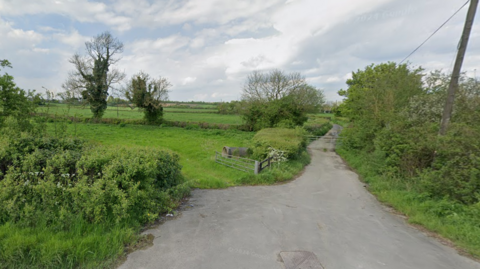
x=447, y=112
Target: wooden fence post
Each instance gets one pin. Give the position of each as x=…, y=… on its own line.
x=257, y=166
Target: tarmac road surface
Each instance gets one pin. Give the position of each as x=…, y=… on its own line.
x=326, y=211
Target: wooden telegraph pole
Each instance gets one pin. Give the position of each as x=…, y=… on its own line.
x=447, y=112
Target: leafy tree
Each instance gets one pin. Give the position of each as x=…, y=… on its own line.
x=396, y=113
x=376, y=95
x=148, y=94
x=233, y=107
x=93, y=76
x=278, y=99
x=15, y=102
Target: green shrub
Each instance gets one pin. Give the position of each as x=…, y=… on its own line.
x=291, y=141
x=192, y=127
x=57, y=180
x=456, y=170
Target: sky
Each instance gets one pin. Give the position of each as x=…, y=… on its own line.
x=207, y=48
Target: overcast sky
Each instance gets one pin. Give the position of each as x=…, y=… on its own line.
x=206, y=48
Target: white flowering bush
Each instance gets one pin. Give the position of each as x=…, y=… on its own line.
x=278, y=156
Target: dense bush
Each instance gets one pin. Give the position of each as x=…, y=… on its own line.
x=291, y=141
x=396, y=115
x=455, y=171
x=58, y=180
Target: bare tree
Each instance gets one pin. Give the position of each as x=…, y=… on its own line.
x=92, y=77
x=275, y=85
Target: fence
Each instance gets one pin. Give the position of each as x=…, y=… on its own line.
x=261, y=165
x=242, y=164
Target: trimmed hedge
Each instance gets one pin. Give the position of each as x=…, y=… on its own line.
x=291, y=141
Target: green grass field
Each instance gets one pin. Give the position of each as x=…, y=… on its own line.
x=195, y=147
x=178, y=114
x=189, y=110
x=203, y=117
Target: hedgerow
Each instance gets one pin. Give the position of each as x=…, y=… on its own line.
x=55, y=180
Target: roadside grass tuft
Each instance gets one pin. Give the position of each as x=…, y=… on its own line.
x=85, y=245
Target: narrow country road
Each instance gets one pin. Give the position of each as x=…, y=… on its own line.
x=326, y=211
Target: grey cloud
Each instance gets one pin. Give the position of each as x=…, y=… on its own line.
x=206, y=47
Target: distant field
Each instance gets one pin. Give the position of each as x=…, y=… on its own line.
x=203, y=117
x=195, y=147
x=180, y=114
x=201, y=106
x=191, y=110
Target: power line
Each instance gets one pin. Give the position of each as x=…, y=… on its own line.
x=415, y=50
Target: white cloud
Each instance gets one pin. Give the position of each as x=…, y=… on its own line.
x=72, y=39
x=207, y=48
x=81, y=10
x=18, y=38
x=188, y=80
x=199, y=97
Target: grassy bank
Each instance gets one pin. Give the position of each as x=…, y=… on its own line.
x=457, y=222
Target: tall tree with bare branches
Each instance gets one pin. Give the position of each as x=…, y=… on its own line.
x=277, y=98
x=93, y=76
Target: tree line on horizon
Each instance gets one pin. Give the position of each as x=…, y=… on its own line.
x=269, y=99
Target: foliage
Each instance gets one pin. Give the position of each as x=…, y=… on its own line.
x=453, y=220
x=395, y=117
x=277, y=155
x=148, y=94
x=229, y=108
x=56, y=180
x=280, y=172
x=290, y=141
x=455, y=171
x=374, y=98
x=277, y=99
x=93, y=76
x=15, y=102
x=317, y=125
x=196, y=147
x=66, y=203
